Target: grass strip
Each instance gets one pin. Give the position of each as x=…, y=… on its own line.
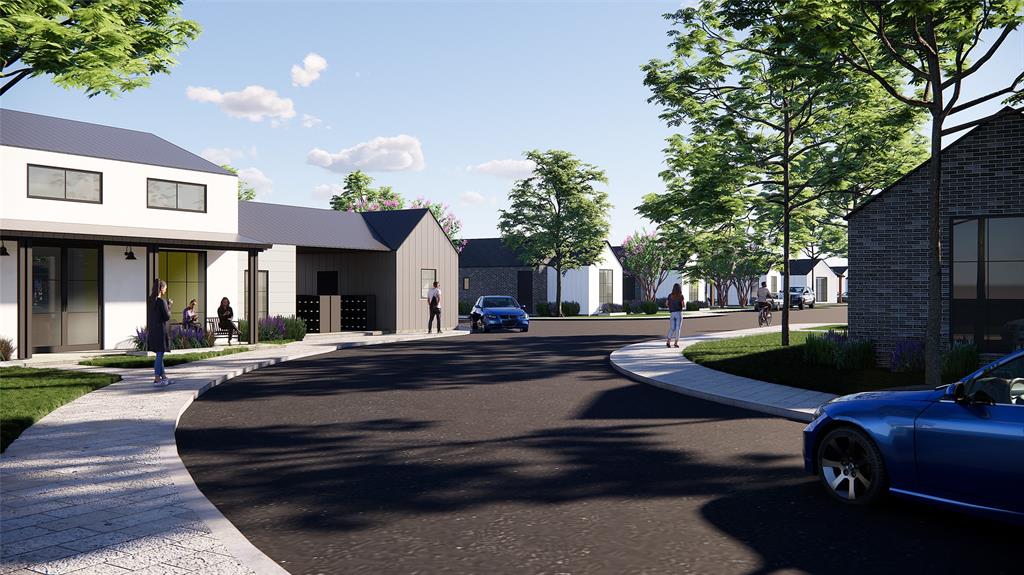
x=762, y=357
x=139, y=361
x=28, y=394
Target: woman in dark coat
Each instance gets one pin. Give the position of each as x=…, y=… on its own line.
x=226, y=317
x=158, y=337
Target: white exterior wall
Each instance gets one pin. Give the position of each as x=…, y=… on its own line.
x=124, y=296
x=823, y=270
x=222, y=281
x=9, y=294
x=583, y=285
x=279, y=262
x=124, y=194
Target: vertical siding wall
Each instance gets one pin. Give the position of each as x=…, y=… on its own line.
x=982, y=174
x=359, y=273
x=9, y=294
x=124, y=296
x=427, y=247
x=583, y=285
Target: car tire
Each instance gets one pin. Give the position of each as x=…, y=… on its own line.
x=801, y=306
x=811, y=305
x=850, y=467
x=525, y=329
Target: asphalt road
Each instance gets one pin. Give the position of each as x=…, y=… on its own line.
x=526, y=453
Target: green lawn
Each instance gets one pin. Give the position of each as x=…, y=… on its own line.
x=763, y=357
x=137, y=361
x=29, y=394
x=835, y=326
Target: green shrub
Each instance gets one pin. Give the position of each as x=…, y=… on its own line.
x=243, y=329
x=543, y=309
x=7, y=348
x=570, y=308
x=855, y=354
x=465, y=307
x=294, y=328
x=692, y=306
x=960, y=360
x=649, y=307
x=818, y=349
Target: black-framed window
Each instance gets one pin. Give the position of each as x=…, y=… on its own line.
x=987, y=283
x=427, y=279
x=66, y=184
x=465, y=283
x=605, y=286
x=262, y=293
x=170, y=195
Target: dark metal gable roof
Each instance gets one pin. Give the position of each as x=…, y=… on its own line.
x=1008, y=113
x=393, y=227
x=50, y=134
x=801, y=267
x=488, y=253
x=308, y=227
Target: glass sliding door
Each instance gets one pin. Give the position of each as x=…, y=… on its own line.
x=185, y=274
x=821, y=290
x=66, y=296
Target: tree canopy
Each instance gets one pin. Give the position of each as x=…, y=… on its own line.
x=358, y=195
x=245, y=191
x=99, y=46
x=556, y=217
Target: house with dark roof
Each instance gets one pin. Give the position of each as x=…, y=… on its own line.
x=92, y=214
x=982, y=247
x=488, y=267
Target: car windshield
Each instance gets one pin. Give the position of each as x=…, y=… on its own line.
x=498, y=302
x=796, y=289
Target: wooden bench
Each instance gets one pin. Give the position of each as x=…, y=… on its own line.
x=213, y=326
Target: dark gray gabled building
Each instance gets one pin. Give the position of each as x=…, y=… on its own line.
x=982, y=237
x=488, y=267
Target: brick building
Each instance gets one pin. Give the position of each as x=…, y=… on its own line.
x=488, y=267
x=982, y=237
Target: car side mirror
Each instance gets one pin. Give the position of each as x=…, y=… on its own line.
x=522, y=307
x=959, y=392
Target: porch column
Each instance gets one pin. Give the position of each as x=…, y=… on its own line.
x=24, y=299
x=152, y=267
x=250, y=302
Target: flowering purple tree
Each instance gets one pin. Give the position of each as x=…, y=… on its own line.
x=451, y=224
x=645, y=257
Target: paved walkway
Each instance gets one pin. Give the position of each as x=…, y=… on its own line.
x=651, y=362
x=97, y=487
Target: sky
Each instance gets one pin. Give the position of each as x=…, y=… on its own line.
x=437, y=99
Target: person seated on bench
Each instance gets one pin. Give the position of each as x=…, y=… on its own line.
x=189, y=315
x=226, y=316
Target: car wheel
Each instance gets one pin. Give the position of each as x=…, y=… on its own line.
x=812, y=305
x=526, y=329
x=851, y=467
x=801, y=305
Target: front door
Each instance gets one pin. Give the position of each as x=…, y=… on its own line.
x=524, y=289
x=821, y=293
x=65, y=299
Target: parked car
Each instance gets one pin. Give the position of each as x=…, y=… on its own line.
x=844, y=297
x=498, y=311
x=773, y=298
x=960, y=445
x=801, y=296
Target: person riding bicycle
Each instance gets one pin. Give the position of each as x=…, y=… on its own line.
x=762, y=296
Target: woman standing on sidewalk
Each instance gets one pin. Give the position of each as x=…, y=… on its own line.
x=675, y=315
x=158, y=338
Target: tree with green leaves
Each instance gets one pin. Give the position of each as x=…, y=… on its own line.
x=648, y=258
x=781, y=132
x=99, y=46
x=245, y=191
x=932, y=44
x=359, y=195
x=556, y=217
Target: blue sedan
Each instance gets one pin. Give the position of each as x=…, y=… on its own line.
x=498, y=311
x=960, y=445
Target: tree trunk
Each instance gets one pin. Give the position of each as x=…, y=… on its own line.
x=787, y=140
x=933, y=338
x=558, y=293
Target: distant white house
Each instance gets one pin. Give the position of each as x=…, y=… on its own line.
x=591, y=286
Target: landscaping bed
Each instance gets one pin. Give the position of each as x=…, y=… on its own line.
x=762, y=357
x=139, y=361
x=31, y=393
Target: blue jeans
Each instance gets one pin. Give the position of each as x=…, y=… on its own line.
x=158, y=367
x=675, y=324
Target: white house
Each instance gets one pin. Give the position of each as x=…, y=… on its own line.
x=592, y=285
x=92, y=214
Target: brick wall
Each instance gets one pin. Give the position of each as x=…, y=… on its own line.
x=500, y=281
x=982, y=174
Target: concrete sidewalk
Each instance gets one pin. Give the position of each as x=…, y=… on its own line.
x=97, y=486
x=651, y=362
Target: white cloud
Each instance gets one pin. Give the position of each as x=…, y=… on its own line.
x=325, y=191
x=510, y=169
x=310, y=70
x=472, y=198
x=258, y=180
x=253, y=103
x=221, y=156
x=394, y=154
x=310, y=121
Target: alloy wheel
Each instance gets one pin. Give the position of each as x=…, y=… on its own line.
x=850, y=466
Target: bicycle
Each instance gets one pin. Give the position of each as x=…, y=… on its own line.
x=764, y=319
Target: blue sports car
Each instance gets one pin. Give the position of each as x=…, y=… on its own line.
x=498, y=311
x=960, y=445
